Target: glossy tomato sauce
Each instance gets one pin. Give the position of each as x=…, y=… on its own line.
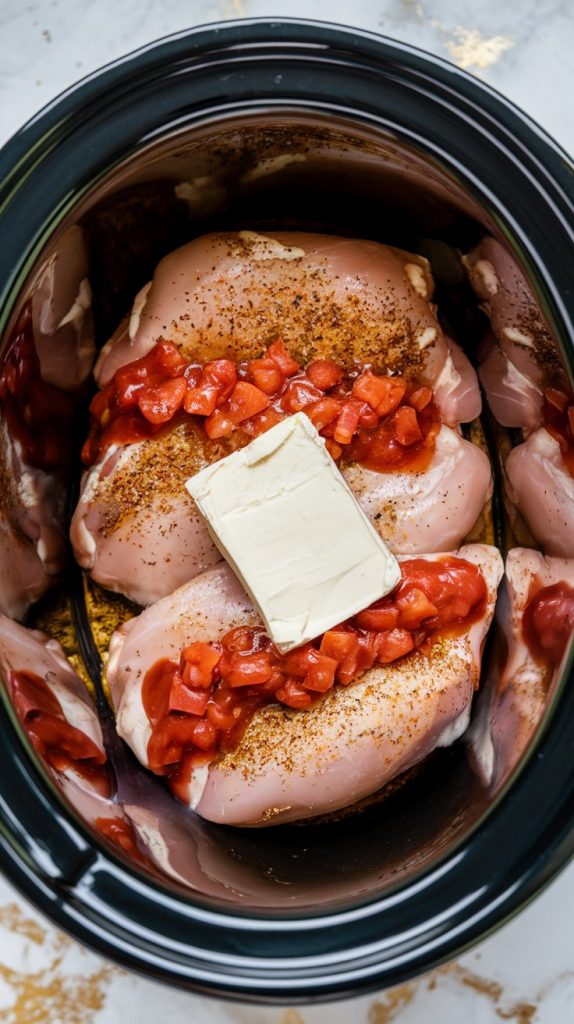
x=548, y=622
x=200, y=706
x=60, y=744
x=37, y=414
x=121, y=833
x=558, y=418
x=386, y=423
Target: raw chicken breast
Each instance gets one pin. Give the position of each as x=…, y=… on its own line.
x=136, y=528
x=429, y=511
x=32, y=542
x=542, y=489
x=342, y=298
x=524, y=358
x=514, y=701
x=292, y=765
x=63, y=324
x=30, y=651
x=138, y=531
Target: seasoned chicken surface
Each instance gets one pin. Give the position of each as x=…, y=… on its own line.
x=292, y=765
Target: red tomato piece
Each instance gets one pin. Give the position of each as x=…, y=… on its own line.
x=204, y=734
x=279, y=354
x=323, y=412
x=393, y=644
x=320, y=676
x=556, y=398
x=414, y=607
x=218, y=425
x=454, y=586
x=294, y=695
x=298, y=662
x=183, y=698
x=378, y=618
x=266, y=375
x=324, y=374
x=198, y=663
x=262, y=422
x=420, y=398
x=246, y=669
x=406, y=426
x=160, y=402
x=334, y=449
x=383, y=394
x=299, y=394
x=347, y=423
x=246, y=401
x=201, y=400
x=222, y=373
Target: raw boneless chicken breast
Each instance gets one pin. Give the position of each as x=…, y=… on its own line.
x=296, y=764
x=137, y=530
x=536, y=618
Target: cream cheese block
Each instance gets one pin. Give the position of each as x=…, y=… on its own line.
x=285, y=520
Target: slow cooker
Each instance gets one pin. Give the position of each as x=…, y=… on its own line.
x=287, y=124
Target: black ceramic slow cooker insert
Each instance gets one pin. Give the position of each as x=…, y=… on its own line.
x=398, y=146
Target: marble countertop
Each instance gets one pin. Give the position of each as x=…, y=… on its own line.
x=525, y=972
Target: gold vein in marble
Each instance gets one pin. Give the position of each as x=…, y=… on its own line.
x=470, y=49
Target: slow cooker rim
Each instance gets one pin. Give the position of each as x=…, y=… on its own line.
x=563, y=845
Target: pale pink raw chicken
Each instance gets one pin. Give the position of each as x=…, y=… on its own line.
x=292, y=765
x=542, y=489
x=32, y=541
x=521, y=358
x=516, y=699
x=61, y=300
x=345, y=299
x=138, y=531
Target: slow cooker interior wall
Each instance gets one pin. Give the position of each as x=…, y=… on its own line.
x=343, y=181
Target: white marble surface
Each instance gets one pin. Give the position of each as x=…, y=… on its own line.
x=524, y=973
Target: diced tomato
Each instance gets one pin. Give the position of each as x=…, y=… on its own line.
x=183, y=698
x=160, y=402
x=246, y=669
x=456, y=587
x=334, y=449
x=204, y=734
x=292, y=694
x=323, y=412
x=556, y=398
x=393, y=644
x=339, y=644
x=263, y=422
x=377, y=618
x=420, y=398
x=279, y=354
x=324, y=374
x=245, y=401
x=367, y=653
x=102, y=402
x=201, y=400
x=222, y=373
x=368, y=418
x=383, y=394
x=347, y=423
x=198, y=663
x=406, y=426
x=414, y=607
x=242, y=639
x=266, y=375
x=299, y=394
x=320, y=676
x=298, y=662
x=218, y=425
